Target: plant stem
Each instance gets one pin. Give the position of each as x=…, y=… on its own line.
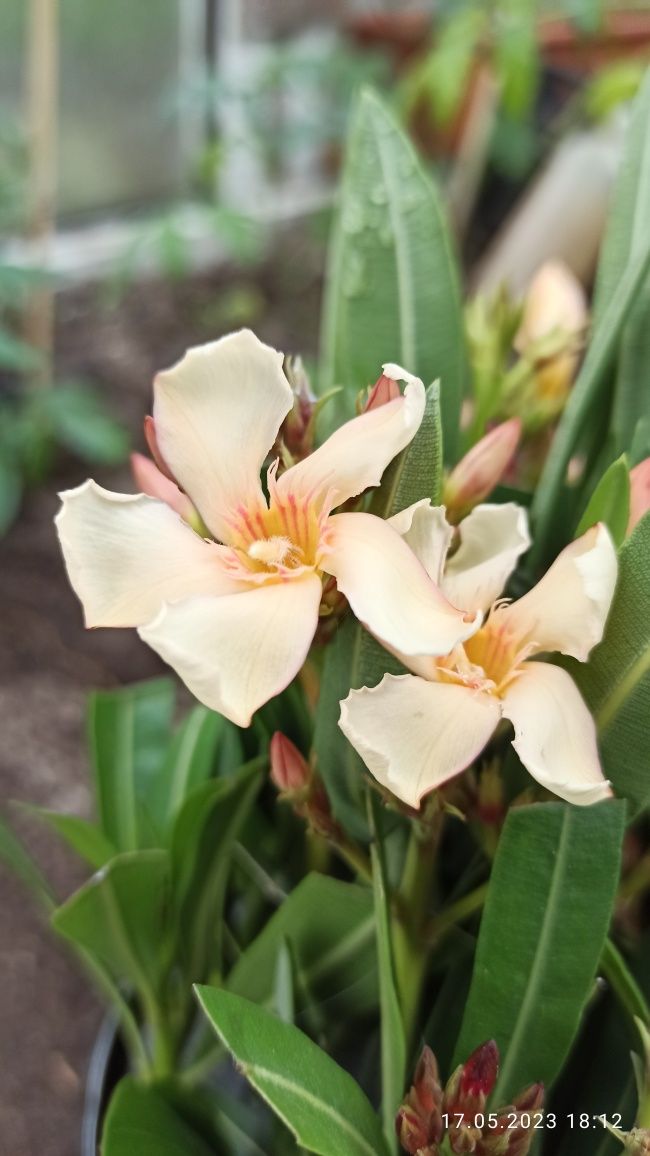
x=409, y=944
x=623, y=983
x=457, y=912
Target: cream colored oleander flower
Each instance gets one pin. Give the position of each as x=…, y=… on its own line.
x=416, y=731
x=235, y=613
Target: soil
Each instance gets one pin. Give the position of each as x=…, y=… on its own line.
x=48, y=662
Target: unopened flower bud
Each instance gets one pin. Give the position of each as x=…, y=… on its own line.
x=466, y=1096
x=150, y=480
x=554, y=318
x=297, y=430
x=637, y=1142
x=384, y=390
x=419, y=1121
x=481, y=469
x=289, y=769
x=513, y=1131
x=639, y=493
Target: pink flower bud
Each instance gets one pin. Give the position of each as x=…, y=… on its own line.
x=481, y=469
x=289, y=770
x=514, y=1129
x=419, y=1122
x=384, y=390
x=151, y=481
x=639, y=493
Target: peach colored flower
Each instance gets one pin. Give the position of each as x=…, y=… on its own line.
x=416, y=731
x=235, y=614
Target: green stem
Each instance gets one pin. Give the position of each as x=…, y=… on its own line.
x=457, y=912
x=409, y=946
x=623, y=983
x=353, y=856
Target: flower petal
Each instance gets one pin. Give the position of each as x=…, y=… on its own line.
x=356, y=455
x=555, y=735
x=388, y=589
x=426, y=530
x=491, y=540
x=237, y=652
x=217, y=414
x=568, y=607
x=127, y=554
x=415, y=735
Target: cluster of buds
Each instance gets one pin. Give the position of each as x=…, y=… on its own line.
x=429, y=1114
x=300, y=786
x=636, y=1142
x=549, y=341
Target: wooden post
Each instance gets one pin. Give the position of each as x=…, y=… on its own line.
x=41, y=100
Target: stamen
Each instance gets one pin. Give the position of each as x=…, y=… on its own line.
x=274, y=551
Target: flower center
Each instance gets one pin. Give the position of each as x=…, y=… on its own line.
x=488, y=660
x=275, y=540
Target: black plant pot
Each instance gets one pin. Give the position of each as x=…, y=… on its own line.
x=107, y=1066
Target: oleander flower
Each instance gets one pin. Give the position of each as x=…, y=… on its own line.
x=416, y=731
x=235, y=613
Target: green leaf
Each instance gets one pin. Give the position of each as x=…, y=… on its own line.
x=330, y=930
x=83, y=837
x=21, y=864
x=392, y=290
x=203, y=835
x=628, y=228
x=129, y=732
x=393, y=1039
x=119, y=917
x=610, y=502
x=416, y=473
x=615, y=682
x=141, y=1122
x=189, y=762
x=542, y=933
x=321, y=1104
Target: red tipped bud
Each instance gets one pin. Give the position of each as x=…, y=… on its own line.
x=466, y=1096
x=639, y=493
x=419, y=1121
x=511, y=1130
x=289, y=770
x=296, y=436
x=481, y=469
x=384, y=390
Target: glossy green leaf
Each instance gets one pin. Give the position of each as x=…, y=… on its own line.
x=393, y=1038
x=205, y=829
x=628, y=227
x=119, y=917
x=542, y=933
x=190, y=760
x=141, y=1122
x=330, y=930
x=392, y=289
x=83, y=837
x=616, y=681
x=610, y=502
x=320, y=1103
x=129, y=732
